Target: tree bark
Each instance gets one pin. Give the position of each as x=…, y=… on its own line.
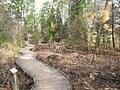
x=113, y=37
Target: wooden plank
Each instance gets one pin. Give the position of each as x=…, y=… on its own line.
x=46, y=77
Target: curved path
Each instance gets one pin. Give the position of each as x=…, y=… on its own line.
x=45, y=77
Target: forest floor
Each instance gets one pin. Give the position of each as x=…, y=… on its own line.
x=94, y=70
x=24, y=81
x=8, y=56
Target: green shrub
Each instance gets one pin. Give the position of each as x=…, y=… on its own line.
x=3, y=37
x=36, y=37
x=20, y=42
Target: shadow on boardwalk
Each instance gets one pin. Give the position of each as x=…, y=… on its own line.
x=45, y=77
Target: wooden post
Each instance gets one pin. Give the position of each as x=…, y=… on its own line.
x=13, y=72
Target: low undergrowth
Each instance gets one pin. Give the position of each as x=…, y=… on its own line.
x=8, y=56
x=86, y=71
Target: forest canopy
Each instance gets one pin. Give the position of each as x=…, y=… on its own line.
x=89, y=23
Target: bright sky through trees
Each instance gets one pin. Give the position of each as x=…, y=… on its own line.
x=38, y=3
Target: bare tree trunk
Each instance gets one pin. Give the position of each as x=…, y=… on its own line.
x=113, y=37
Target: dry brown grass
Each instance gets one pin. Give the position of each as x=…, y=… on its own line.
x=88, y=70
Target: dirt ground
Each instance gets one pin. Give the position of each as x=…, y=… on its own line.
x=86, y=70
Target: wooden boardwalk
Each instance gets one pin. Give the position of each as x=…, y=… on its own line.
x=45, y=77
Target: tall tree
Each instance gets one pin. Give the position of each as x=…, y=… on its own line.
x=113, y=38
